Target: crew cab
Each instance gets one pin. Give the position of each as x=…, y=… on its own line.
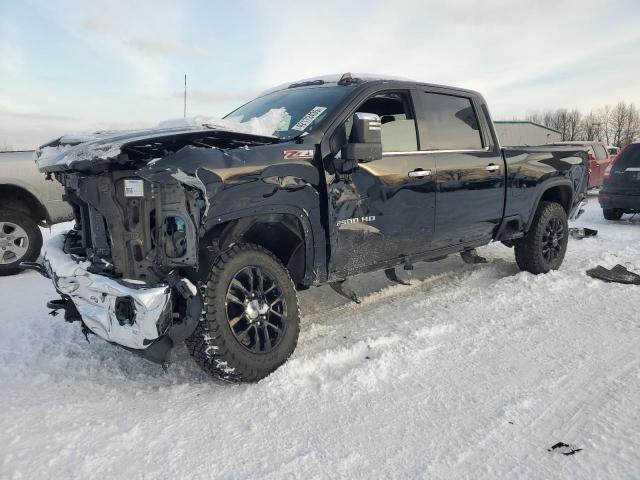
x=204, y=233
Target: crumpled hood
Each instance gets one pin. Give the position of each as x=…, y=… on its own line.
x=94, y=151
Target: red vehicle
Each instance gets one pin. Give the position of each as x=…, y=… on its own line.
x=599, y=160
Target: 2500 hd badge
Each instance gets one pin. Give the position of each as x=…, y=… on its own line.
x=183, y=235
x=370, y=218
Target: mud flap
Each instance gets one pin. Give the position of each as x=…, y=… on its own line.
x=617, y=274
x=580, y=233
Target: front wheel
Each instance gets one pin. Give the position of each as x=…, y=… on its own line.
x=20, y=241
x=251, y=319
x=543, y=247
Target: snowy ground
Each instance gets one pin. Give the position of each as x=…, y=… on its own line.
x=471, y=372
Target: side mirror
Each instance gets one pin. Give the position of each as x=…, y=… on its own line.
x=366, y=141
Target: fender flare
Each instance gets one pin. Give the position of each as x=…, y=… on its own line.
x=30, y=195
x=314, y=243
x=544, y=187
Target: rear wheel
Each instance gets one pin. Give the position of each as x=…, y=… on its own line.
x=543, y=247
x=612, y=213
x=251, y=320
x=20, y=241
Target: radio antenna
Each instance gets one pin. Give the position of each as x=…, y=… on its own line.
x=185, y=96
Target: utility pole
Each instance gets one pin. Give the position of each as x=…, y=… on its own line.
x=185, y=96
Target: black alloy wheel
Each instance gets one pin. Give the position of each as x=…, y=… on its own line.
x=543, y=247
x=256, y=310
x=552, y=239
x=251, y=318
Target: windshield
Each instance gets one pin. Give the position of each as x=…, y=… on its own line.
x=305, y=108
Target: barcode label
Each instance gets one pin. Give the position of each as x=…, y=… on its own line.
x=133, y=188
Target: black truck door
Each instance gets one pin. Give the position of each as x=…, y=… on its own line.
x=470, y=171
x=385, y=209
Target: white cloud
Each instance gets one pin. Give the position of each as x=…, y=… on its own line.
x=521, y=55
x=492, y=46
x=164, y=47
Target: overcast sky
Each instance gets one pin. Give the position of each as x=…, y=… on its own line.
x=70, y=65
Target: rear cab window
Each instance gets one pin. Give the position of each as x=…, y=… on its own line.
x=448, y=122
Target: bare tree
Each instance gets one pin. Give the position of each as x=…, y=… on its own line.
x=574, y=127
x=632, y=125
x=617, y=123
x=618, y=126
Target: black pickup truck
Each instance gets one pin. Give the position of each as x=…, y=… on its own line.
x=204, y=233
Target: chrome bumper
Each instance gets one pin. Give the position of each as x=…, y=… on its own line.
x=95, y=297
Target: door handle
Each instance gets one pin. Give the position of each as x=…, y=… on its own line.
x=419, y=173
x=492, y=167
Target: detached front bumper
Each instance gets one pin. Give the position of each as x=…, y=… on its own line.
x=125, y=313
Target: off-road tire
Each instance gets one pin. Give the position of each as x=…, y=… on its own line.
x=34, y=237
x=529, y=249
x=612, y=213
x=213, y=344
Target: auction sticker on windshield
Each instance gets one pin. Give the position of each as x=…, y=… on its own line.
x=305, y=121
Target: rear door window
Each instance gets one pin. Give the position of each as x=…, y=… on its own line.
x=448, y=122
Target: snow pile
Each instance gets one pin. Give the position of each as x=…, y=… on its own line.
x=471, y=372
x=265, y=125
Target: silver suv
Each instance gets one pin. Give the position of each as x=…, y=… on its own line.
x=26, y=201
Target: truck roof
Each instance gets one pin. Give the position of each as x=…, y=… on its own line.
x=349, y=78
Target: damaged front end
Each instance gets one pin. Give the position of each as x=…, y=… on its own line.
x=128, y=270
x=131, y=269
x=123, y=270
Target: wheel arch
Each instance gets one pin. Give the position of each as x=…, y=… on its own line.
x=15, y=197
x=558, y=191
x=283, y=230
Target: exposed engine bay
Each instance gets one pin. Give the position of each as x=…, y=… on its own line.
x=117, y=269
x=128, y=227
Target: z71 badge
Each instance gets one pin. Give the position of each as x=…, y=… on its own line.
x=298, y=154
